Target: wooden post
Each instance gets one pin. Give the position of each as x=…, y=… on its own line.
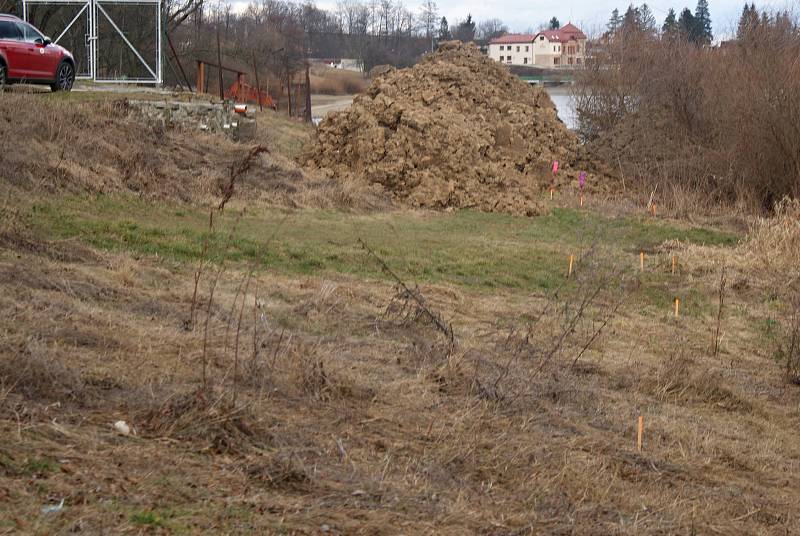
x=581, y=199
x=639, y=433
x=219, y=69
x=673, y=264
x=571, y=261
x=201, y=77
x=641, y=261
x=297, y=99
x=258, y=85
x=288, y=91
x=677, y=307
x=307, y=115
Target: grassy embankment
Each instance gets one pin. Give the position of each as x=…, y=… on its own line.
x=329, y=406
x=473, y=249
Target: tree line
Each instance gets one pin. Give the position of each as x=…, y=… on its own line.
x=700, y=125
x=694, y=27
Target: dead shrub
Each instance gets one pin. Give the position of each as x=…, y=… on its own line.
x=280, y=471
x=309, y=371
x=206, y=419
x=772, y=249
x=679, y=381
x=664, y=112
x=35, y=372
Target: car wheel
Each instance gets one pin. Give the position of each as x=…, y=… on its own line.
x=3, y=76
x=65, y=77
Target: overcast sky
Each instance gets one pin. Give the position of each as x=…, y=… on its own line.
x=590, y=15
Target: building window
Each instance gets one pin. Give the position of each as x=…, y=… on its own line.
x=555, y=61
x=525, y=61
x=578, y=61
x=517, y=48
x=508, y=59
x=569, y=60
x=526, y=48
x=541, y=38
x=554, y=48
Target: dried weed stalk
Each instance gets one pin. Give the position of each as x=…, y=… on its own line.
x=237, y=170
x=408, y=303
x=718, y=328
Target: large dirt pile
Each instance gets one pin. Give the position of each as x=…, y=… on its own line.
x=456, y=130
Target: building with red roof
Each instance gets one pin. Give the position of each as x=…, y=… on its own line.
x=562, y=48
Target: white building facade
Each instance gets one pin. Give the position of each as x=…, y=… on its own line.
x=551, y=49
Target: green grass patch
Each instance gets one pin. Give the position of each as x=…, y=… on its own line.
x=39, y=466
x=147, y=518
x=468, y=248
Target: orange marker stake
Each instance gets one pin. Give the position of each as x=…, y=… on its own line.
x=581, y=199
x=551, y=192
x=674, y=261
x=571, y=260
x=641, y=261
x=677, y=307
x=640, y=433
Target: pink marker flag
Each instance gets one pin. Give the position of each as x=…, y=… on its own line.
x=555, y=167
x=582, y=179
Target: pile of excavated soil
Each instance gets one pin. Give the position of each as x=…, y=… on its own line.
x=456, y=130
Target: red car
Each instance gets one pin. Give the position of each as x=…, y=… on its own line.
x=28, y=56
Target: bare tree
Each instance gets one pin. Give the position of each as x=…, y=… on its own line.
x=429, y=16
x=491, y=28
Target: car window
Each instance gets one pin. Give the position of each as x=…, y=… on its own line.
x=9, y=30
x=29, y=33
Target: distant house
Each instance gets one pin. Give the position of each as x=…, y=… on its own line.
x=562, y=48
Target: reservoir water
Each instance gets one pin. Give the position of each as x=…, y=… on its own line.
x=564, y=105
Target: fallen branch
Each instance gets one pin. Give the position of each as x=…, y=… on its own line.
x=437, y=320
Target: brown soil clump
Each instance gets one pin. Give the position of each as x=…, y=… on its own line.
x=456, y=130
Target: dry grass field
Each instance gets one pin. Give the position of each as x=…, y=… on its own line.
x=320, y=361
x=329, y=81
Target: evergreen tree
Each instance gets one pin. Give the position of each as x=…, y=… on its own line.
x=554, y=23
x=615, y=22
x=784, y=22
x=465, y=31
x=670, y=27
x=647, y=19
x=748, y=22
x=686, y=25
x=632, y=20
x=702, y=21
x=444, y=30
